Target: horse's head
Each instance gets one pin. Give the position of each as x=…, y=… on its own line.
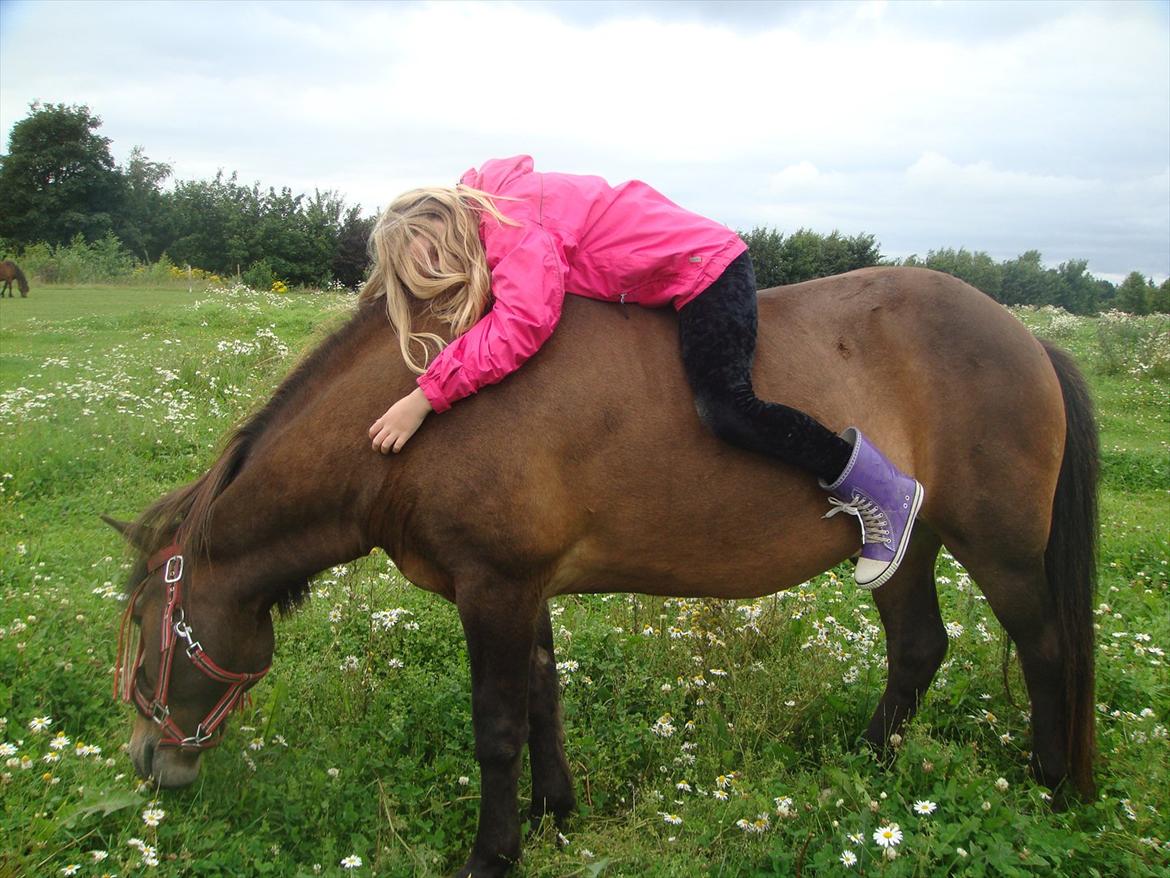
x=198, y=650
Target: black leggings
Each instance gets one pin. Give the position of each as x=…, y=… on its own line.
x=717, y=330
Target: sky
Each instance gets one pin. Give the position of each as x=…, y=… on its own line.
x=997, y=126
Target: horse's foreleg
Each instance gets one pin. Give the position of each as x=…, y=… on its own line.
x=552, y=785
x=916, y=640
x=499, y=621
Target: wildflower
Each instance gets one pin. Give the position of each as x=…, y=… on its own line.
x=887, y=836
x=153, y=816
x=353, y=861
x=71, y=869
x=890, y=853
x=784, y=806
x=38, y=724
x=464, y=780
x=7, y=749
x=925, y=807
x=351, y=663
x=1001, y=784
x=954, y=630
x=672, y=819
x=149, y=855
x=98, y=856
x=256, y=744
x=721, y=795
x=855, y=838
x=333, y=772
x=663, y=728
x=961, y=852
x=848, y=858
x=59, y=742
x=986, y=806
x=723, y=781
x=683, y=786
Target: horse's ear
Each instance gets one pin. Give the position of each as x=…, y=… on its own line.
x=140, y=538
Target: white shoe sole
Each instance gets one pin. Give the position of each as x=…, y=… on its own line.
x=892, y=568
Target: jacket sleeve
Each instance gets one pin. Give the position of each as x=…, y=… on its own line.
x=528, y=289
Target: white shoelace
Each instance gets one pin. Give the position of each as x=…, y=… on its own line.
x=875, y=527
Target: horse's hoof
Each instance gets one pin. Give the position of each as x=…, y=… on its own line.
x=560, y=810
x=475, y=868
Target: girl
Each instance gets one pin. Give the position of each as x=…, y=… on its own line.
x=518, y=240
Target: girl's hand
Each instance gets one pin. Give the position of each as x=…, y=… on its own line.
x=391, y=431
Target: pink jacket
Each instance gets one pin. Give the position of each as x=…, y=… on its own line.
x=576, y=234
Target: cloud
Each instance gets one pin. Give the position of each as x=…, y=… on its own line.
x=928, y=125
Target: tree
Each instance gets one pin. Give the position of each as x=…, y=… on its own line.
x=58, y=179
x=145, y=223
x=1027, y=282
x=1134, y=294
x=766, y=247
x=806, y=254
x=1078, y=288
x=351, y=260
x=1160, y=301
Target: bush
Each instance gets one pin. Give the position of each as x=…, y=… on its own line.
x=78, y=261
x=259, y=275
x=1130, y=345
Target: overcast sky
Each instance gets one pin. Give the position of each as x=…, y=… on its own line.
x=995, y=126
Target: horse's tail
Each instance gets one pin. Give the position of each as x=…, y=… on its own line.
x=1071, y=564
x=21, y=280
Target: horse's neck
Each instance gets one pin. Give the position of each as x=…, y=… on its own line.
x=309, y=492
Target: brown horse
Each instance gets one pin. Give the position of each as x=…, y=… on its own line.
x=9, y=272
x=589, y=471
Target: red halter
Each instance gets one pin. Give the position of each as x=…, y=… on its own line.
x=173, y=629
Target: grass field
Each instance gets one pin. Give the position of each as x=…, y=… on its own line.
x=707, y=738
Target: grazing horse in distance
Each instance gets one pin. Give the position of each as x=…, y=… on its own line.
x=9, y=272
x=589, y=471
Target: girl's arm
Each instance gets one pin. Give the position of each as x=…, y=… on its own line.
x=528, y=291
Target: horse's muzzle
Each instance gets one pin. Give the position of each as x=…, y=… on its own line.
x=166, y=767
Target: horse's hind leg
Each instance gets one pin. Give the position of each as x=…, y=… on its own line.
x=916, y=640
x=552, y=785
x=1019, y=597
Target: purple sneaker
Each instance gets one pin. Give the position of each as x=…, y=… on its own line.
x=885, y=501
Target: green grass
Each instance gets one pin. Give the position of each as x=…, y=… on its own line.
x=362, y=735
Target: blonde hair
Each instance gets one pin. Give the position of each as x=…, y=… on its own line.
x=449, y=270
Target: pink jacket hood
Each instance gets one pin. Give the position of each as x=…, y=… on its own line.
x=577, y=234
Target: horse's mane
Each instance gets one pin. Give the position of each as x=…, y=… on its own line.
x=188, y=509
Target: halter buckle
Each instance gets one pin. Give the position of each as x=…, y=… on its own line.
x=173, y=570
x=159, y=713
x=196, y=739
